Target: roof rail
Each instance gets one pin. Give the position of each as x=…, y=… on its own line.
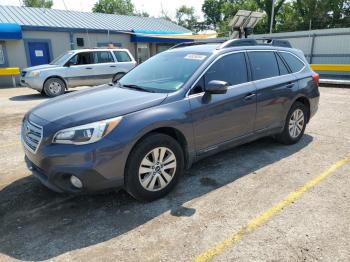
x=225, y=43
x=238, y=42
x=275, y=42
x=201, y=42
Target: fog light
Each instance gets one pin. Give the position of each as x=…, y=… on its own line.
x=76, y=182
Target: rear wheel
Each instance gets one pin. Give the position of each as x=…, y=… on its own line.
x=295, y=124
x=54, y=87
x=154, y=167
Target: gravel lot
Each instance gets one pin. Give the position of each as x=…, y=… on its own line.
x=216, y=198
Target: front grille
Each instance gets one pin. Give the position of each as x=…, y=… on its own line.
x=23, y=73
x=31, y=135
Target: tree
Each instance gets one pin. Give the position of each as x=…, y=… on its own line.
x=142, y=13
x=121, y=7
x=266, y=5
x=185, y=16
x=212, y=10
x=38, y=3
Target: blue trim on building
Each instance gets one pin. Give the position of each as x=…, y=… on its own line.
x=10, y=31
x=26, y=47
x=156, y=32
x=150, y=39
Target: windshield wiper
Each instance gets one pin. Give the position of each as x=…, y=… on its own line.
x=136, y=87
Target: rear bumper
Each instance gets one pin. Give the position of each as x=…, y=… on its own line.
x=314, y=105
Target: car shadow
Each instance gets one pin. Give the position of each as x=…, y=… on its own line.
x=37, y=96
x=30, y=97
x=37, y=224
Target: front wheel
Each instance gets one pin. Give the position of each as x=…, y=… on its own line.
x=295, y=124
x=154, y=167
x=54, y=87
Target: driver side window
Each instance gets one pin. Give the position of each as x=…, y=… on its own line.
x=84, y=58
x=230, y=68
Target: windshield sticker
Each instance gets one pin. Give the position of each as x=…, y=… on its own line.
x=195, y=57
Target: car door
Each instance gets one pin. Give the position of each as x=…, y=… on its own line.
x=219, y=118
x=124, y=61
x=80, y=70
x=105, y=67
x=275, y=88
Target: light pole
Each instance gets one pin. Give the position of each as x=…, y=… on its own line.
x=272, y=15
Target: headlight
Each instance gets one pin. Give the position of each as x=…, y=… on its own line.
x=86, y=134
x=34, y=73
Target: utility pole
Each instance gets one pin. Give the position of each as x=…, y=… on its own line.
x=272, y=15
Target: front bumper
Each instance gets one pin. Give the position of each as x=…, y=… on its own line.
x=35, y=83
x=54, y=165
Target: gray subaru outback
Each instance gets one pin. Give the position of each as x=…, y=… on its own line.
x=179, y=106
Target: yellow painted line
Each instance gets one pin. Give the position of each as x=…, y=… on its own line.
x=331, y=67
x=7, y=71
x=8, y=145
x=263, y=217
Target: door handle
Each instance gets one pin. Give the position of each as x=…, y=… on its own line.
x=290, y=85
x=112, y=66
x=249, y=96
x=88, y=67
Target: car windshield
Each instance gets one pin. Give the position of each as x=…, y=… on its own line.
x=61, y=59
x=165, y=72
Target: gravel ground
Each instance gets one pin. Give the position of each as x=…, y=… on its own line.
x=215, y=198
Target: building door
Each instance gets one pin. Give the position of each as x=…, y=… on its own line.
x=39, y=53
x=143, y=52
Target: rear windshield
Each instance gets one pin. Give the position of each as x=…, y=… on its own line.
x=165, y=72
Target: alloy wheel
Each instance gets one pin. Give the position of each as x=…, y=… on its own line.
x=157, y=169
x=296, y=123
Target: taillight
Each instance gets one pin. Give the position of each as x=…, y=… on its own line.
x=316, y=78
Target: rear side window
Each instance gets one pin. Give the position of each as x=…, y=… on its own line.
x=103, y=57
x=264, y=64
x=282, y=66
x=231, y=69
x=122, y=56
x=294, y=63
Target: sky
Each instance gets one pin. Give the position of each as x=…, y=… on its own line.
x=152, y=7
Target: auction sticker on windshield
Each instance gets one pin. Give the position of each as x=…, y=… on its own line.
x=195, y=57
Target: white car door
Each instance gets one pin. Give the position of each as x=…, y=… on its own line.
x=105, y=67
x=81, y=69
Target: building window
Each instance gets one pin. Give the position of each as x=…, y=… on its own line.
x=80, y=41
x=2, y=55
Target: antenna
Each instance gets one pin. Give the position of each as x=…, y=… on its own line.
x=244, y=22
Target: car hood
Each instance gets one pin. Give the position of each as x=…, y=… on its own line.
x=40, y=67
x=93, y=104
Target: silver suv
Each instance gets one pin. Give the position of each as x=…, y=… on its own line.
x=83, y=67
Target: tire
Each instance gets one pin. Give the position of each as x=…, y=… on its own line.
x=117, y=77
x=144, y=179
x=54, y=87
x=294, y=130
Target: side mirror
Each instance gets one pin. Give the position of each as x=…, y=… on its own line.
x=216, y=87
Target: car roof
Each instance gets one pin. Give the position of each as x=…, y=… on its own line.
x=98, y=49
